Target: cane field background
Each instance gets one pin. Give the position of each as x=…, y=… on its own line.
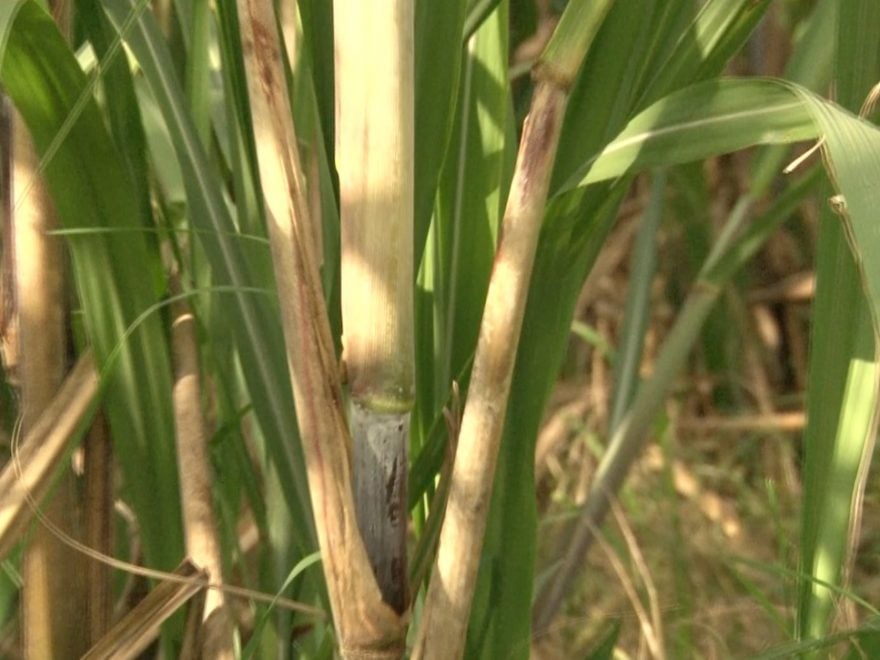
x=439, y=328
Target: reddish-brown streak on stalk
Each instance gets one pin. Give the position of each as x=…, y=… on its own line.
x=265, y=50
x=543, y=129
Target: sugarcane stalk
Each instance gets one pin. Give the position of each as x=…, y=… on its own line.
x=365, y=625
x=448, y=602
x=49, y=597
x=374, y=159
x=194, y=466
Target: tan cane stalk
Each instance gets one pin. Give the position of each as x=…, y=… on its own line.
x=366, y=626
x=50, y=597
x=199, y=521
x=374, y=143
x=448, y=602
x=447, y=606
x=374, y=158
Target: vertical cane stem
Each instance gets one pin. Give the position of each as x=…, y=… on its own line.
x=374, y=157
x=448, y=602
x=365, y=626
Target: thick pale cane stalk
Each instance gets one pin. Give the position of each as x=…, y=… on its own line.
x=49, y=597
x=366, y=626
x=374, y=158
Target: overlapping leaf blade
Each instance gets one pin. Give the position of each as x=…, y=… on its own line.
x=714, y=117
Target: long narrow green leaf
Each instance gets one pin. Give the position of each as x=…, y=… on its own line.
x=121, y=102
x=317, y=21
x=704, y=47
x=438, y=54
x=195, y=18
x=715, y=117
x=610, y=84
x=470, y=198
x=461, y=244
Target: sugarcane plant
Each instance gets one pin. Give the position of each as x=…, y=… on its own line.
x=324, y=261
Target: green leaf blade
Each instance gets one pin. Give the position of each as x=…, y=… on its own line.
x=710, y=118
